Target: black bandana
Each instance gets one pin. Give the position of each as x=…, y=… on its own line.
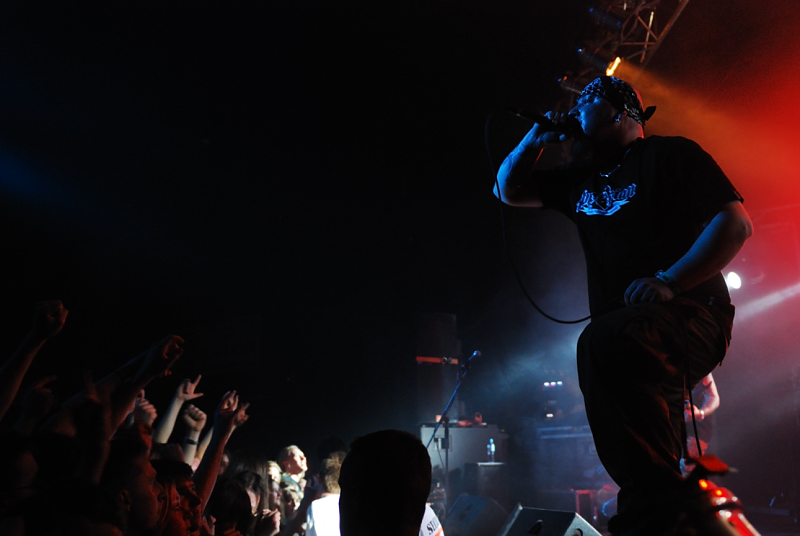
x=621, y=95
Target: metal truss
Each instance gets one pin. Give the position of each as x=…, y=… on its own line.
x=629, y=29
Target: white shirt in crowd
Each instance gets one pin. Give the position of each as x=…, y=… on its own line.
x=323, y=519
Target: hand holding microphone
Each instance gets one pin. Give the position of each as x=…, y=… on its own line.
x=553, y=127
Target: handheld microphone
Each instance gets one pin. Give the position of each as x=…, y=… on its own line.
x=570, y=126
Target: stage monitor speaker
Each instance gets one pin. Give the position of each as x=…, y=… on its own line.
x=474, y=516
x=524, y=521
x=487, y=480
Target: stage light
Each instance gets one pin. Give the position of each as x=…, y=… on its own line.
x=612, y=67
x=600, y=60
x=733, y=280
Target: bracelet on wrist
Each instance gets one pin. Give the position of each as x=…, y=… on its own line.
x=668, y=280
x=190, y=441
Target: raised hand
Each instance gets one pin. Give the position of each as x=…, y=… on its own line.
x=229, y=415
x=144, y=411
x=552, y=128
x=194, y=418
x=240, y=416
x=161, y=356
x=38, y=401
x=229, y=400
x=187, y=390
x=48, y=319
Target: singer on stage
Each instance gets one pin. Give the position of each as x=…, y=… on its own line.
x=658, y=220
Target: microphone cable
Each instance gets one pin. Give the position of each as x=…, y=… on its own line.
x=689, y=388
x=505, y=240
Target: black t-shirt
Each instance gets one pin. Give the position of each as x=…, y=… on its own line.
x=641, y=217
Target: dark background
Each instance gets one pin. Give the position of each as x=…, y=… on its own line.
x=291, y=185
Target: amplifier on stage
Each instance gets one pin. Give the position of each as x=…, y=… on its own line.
x=467, y=445
x=566, y=459
x=488, y=479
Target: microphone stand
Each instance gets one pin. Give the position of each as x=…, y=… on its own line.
x=463, y=369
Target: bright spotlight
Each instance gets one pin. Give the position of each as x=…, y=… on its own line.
x=733, y=280
x=612, y=67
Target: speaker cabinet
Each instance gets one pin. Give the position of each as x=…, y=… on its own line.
x=487, y=480
x=524, y=521
x=474, y=516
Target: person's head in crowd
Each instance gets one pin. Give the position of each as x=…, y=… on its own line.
x=183, y=514
x=229, y=505
x=254, y=486
x=291, y=501
x=248, y=460
x=274, y=471
x=293, y=461
x=251, y=461
x=131, y=479
x=329, y=473
x=330, y=445
x=75, y=507
x=274, y=496
x=385, y=481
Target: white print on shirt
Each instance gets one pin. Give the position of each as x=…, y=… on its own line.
x=430, y=524
x=433, y=526
x=606, y=203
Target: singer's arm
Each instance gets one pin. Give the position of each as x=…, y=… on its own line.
x=516, y=185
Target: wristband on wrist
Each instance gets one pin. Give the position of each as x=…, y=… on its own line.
x=190, y=441
x=669, y=281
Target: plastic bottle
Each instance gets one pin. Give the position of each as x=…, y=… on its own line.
x=490, y=451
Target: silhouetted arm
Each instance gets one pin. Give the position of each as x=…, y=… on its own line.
x=48, y=321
